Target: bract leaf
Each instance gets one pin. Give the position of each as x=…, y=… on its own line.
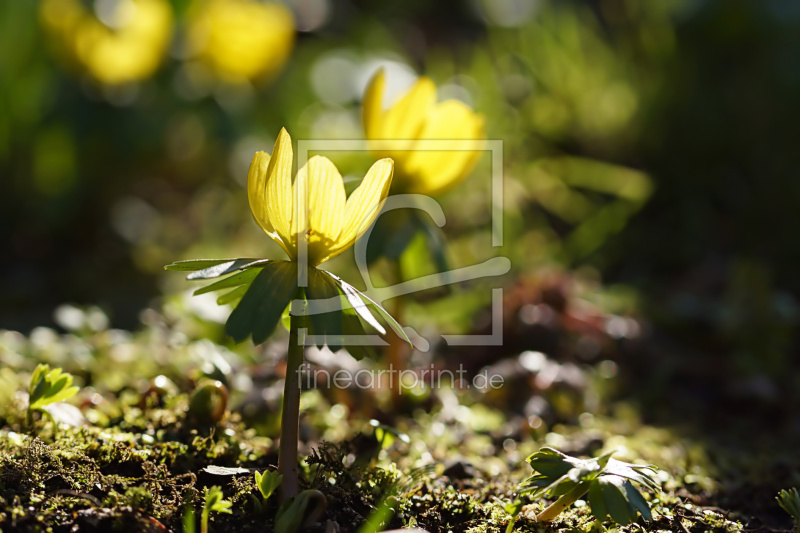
x=227, y=268
x=195, y=264
x=262, y=305
x=353, y=296
x=394, y=324
x=352, y=325
x=233, y=296
x=242, y=278
x=322, y=293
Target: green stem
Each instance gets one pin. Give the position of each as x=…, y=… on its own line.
x=290, y=415
x=510, y=526
x=562, y=503
x=397, y=349
x=204, y=520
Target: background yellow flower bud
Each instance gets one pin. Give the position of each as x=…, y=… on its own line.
x=241, y=39
x=417, y=117
x=117, y=42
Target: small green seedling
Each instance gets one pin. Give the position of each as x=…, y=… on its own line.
x=789, y=500
x=607, y=481
x=213, y=502
x=266, y=483
x=48, y=387
x=300, y=511
x=513, y=508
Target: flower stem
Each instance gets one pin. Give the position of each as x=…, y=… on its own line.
x=397, y=350
x=562, y=503
x=290, y=413
x=397, y=346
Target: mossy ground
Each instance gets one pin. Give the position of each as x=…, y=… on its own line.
x=110, y=479
x=441, y=459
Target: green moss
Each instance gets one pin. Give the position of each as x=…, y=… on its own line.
x=139, y=460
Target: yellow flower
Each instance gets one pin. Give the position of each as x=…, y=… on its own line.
x=330, y=223
x=126, y=45
x=414, y=117
x=242, y=39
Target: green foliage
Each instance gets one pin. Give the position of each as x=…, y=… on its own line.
x=300, y=511
x=266, y=483
x=512, y=508
x=261, y=306
x=381, y=516
x=213, y=502
x=243, y=278
x=596, y=199
x=607, y=481
x=265, y=288
x=212, y=268
x=48, y=387
x=410, y=237
x=789, y=500
x=322, y=292
x=362, y=303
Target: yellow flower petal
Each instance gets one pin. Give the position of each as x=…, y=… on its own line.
x=372, y=104
x=279, y=188
x=435, y=171
x=364, y=204
x=321, y=219
x=314, y=212
x=405, y=118
x=257, y=196
x=257, y=190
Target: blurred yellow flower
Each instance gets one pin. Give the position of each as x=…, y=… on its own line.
x=241, y=39
x=417, y=117
x=120, y=41
x=331, y=223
